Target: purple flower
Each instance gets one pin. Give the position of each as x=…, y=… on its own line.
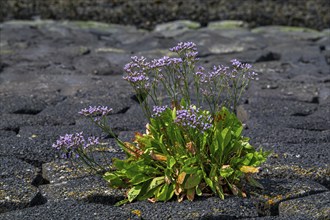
x=218, y=71
x=241, y=68
x=92, y=141
x=137, y=63
x=137, y=73
x=136, y=78
x=70, y=143
x=158, y=110
x=95, y=111
x=235, y=63
x=165, y=61
x=157, y=63
x=193, y=118
x=191, y=55
x=184, y=46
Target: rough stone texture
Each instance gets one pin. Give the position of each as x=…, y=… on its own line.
x=278, y=190
x=148, y=13
x=201, y=208
x=316, y=206
x=69, y=209
x=89, y=189
x=50, y=70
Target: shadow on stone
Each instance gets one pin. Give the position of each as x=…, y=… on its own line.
x=38, y=200
x=102, y=199
x=269, y=56
x=27, y=111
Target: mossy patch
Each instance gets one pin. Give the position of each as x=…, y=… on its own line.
x=227, y=24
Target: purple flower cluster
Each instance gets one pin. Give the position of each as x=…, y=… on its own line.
x=218, y=71
x=137, y=63
x=136, y=73
x=165, y=61
x=192, y=55
x=158, y=110
x=140, y=79
x=243, y=68
x=184, y=46
x=95, y=111
x=193, y=118
x=69, y=143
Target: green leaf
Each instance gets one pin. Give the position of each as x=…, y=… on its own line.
x=114, y=180
x=209, y=182
x=172, y=162
x=193, y=180
x=134, y=192
x=226, y=136
x=247, y=145
x=145, y=193
x=219, y=191
x=226, y=172
x=213, y=171
x=247, y=159
x=190, y=161
x=164, y=192
x=122, y=202
x=191, y=194
x=190, y=170
x=139, y=178
x=183, y=102
x=254, y=182
x=198, y=191
x=238, y=131
x=119, y=164
x=174, y=113
x=156, y=182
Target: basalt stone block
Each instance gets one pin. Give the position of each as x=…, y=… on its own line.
x=64, y=170
x=227, y=24
x=297, y=33
x=263, y=133
x=307, y=155
x=27, y=148
x=97, y=65
x=8, y=132
x=315, y=206
x=133, y=119
x=200, y=208
x=17, y=193
x=69, y=209
x=175, y=28
x=278, y=170
x=276, y=106
x=278, y=190
x=28, y=105
x=297, y=217
x=13, y=122
x=92, y=189
x=210, y=42
x=13, y=167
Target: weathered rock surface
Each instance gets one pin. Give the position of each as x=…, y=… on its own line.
x=148, y=13
x=50, y=70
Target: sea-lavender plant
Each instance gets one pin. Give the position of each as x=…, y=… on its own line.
x=186, y=150
x=178, y=78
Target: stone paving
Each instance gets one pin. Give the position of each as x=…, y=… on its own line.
x=50, y=70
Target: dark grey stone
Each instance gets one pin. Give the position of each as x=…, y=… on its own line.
x=51, y=70
x=69, y=209
x=315, y=206
x=91, y=189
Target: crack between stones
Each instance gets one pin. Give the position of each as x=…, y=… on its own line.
x=274, y=209
x=123, y=110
